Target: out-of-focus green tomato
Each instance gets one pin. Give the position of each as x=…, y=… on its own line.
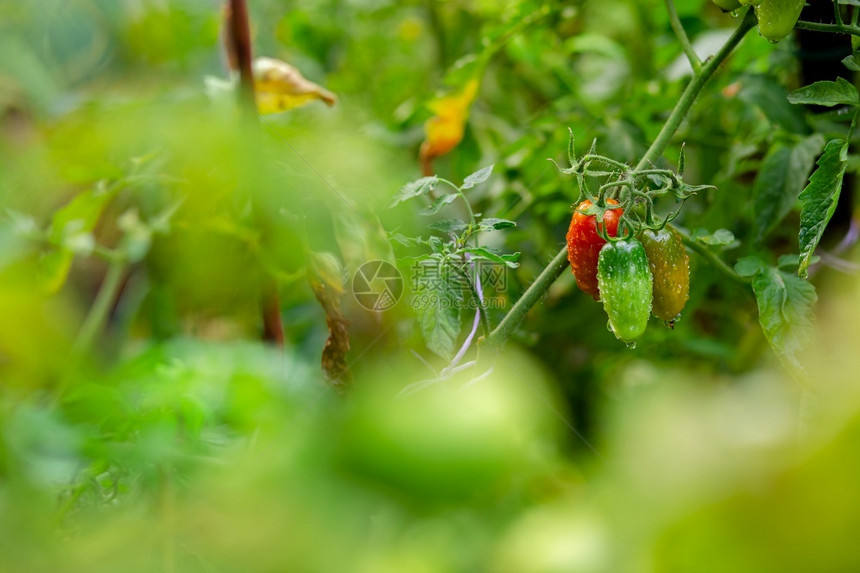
x=553, y=539
x=446, y=441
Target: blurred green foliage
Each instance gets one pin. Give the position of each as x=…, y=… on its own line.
x=144, y=427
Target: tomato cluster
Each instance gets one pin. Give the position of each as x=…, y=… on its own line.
x=634, y=277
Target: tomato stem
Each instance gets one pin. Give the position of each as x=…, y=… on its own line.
x=675, y=22
x=852, y=30
x=105, y=299
x=711, y=257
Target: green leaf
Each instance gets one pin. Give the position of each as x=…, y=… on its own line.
x=749, y=266
x=719, y=238
x=437, y=307
x=785, y=312
x=477, y=177
x=482, y=253
x=819, y=200
x=851, y=62
x=440, y=202
x=406, y=241
x=448, y=226
x=790, y=261
x=415, y=189
x=493, y=224
x=766, y=93
x=436, y=244
x=71, y=232
x=780, y=180
x=826, y=93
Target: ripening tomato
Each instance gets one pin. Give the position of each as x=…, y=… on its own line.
x=584, y=244
x=670, y=266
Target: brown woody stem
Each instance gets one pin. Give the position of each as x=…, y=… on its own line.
x=239, y=35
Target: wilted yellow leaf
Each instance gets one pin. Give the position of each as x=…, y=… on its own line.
x=445, y=129
x=280, y=87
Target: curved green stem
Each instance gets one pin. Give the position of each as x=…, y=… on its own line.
x=554, y=269
x=688, y=97
x=485, y=321
x=675, y=22
x=98, y=314
x=711, y=258
x=462, y=195
x=837, y=13
x=532, y=295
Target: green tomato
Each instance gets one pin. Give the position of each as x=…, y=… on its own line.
x=750, y=2
x=727, y=5
x=670, y=267
x=626, y=287
x=776, y=18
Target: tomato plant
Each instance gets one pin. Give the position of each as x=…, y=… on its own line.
x=284, y=286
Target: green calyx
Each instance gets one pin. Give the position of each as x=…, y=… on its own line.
x=635, y=190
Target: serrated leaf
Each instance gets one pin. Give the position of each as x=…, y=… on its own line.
x=448, y=226
x=819, y=200
x=826, y=93
x=787, y=261
x=437, y=309
x=436, y=244
x=482, y=253
x=780, y=180
x=749, y=266
x=719, y=238
x=494, y=224
x=415, y=189
x=438, y=203
x=785, y=312
x=404, y=240
x=477, y=177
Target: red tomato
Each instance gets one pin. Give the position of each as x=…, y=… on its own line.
x=584, y=244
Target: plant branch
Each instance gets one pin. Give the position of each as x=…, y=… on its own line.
x=852, y=30
x=98, y=315
x=711, y=258
x=479, y=300
x=837, y=13
x=240, y=36
x=475, y=323
x=532, y=295
x=675, y=22
x=552, y=271
x=688, y=97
